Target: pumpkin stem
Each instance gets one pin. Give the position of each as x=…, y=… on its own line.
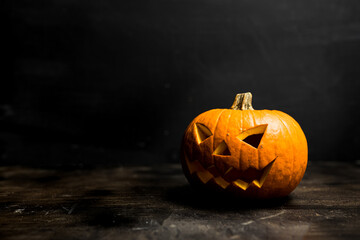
x=242, y=102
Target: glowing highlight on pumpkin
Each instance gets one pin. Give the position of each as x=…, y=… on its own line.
x=222, y=149
x=202, y=132
x=241, y=184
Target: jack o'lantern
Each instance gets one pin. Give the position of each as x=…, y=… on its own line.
x=251, y=153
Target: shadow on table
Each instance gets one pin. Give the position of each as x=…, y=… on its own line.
x=201, y=199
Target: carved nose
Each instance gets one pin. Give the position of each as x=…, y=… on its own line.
x=222, y=149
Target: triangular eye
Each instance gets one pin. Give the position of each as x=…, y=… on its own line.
x=202, y=132
x=222, y=149
x=253, y=136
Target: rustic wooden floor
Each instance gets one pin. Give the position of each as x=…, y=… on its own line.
x=157, y=203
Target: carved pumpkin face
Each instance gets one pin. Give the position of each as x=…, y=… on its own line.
x=253, y=153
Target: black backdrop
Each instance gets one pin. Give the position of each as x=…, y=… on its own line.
x=97, y=82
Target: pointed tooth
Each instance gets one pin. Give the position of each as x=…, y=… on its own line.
x=266, y=172
x=241, y=184
x=221, y=182
x=194, y=166
x=204, y=176
x=256, y=183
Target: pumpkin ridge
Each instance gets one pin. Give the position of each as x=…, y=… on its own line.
x=216, y=125
x=272, y=180
x=241, y=129
x=251, y=115
x=295, y=125
x=292, y=147
x=259, y=152
x=227, y=129
x=226, y=120
x=255, y=124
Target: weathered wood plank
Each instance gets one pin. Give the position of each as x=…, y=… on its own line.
x=157, y=203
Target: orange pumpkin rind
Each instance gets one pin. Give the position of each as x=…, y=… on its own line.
x=251, y=153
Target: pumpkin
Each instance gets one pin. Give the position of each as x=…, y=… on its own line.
x=250, y=153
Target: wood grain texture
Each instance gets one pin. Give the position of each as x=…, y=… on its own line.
x=157, y=203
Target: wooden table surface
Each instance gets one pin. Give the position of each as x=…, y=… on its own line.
x=156, y=202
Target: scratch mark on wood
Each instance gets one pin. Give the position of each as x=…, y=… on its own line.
x=271, y=216
x=248, y=222
x=263, y=218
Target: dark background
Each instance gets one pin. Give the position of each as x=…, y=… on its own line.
x=117, y=82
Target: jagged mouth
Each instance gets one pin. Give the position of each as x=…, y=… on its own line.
x=231, y=177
